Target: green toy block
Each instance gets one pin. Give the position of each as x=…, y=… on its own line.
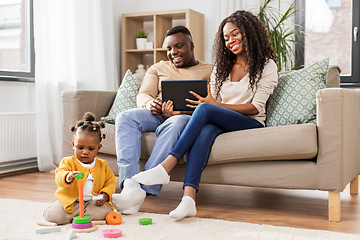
x=80, y=175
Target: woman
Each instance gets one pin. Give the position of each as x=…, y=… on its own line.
x=243, y=78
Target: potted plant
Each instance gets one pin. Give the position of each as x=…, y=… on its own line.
x=141, y=39
x=281, y=35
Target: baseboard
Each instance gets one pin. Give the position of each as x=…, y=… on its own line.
x=21, y=165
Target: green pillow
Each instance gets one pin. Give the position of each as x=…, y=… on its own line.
x=294, y=98
x=125, y=98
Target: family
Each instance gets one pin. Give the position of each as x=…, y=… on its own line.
x=243, y=76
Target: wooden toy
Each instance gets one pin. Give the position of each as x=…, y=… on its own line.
x=81, y=199
x=84, y=230
x=82, y=223
x=78, y=219
x=70, y=234
x=112, y=233
x=145, y=221
x=48, y=224
x=113, y=218
x=44, y=229
x=80, y=175
x=102, y=222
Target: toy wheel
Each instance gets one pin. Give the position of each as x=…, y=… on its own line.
x=78, y=219
x=145, y=221
x=113, y=218
x=112, y=233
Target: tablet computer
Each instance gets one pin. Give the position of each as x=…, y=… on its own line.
x=178, y=90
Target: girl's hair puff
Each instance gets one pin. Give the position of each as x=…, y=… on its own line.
x=258, y=48
x=87, y=124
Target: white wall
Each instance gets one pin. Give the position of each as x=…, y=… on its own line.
x=214, y=11
x=20, y=97
x=17, y=97
x=210, y=8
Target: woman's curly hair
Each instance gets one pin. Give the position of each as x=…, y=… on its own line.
x=258, y=48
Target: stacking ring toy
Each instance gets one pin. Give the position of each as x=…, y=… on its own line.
x=78, y=219
x=80, y=175
x=112, y=233
x=82, y=225
x=145, y=221
x=113, y=218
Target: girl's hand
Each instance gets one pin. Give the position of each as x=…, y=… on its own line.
x=101, y=202
x=71, y=176
x=208, y=99
x=167, y=109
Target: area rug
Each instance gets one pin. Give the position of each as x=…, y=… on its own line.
x=18, y=221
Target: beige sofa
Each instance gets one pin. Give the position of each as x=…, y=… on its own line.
x=323, y=157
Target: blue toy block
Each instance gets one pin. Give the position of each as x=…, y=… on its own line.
x=70, y=234
x=43, y=229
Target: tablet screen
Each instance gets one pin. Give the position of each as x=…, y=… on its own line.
x=178, y=90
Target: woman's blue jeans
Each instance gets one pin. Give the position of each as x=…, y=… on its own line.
x=207, y=122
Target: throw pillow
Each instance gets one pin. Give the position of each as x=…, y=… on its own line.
x=294, y=98
x=125, y=98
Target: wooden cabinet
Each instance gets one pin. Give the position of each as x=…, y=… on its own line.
x=157, y=24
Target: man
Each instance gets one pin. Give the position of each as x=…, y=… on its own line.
x=149, y=117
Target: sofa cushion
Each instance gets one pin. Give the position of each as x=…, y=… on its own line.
x=125, y=98
x=291, y=142
x=294, y=98
x=269, y=143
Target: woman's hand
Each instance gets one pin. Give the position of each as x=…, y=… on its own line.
x=156, y=106
x=71, y=176
x=168, y=109
x=208, y=99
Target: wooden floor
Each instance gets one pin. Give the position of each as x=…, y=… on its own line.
x=290, y=208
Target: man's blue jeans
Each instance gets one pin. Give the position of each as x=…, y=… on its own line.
x=207, y=122
x=129, y=127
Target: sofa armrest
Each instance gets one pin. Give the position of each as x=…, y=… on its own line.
x=338, y=124
x=73, y=106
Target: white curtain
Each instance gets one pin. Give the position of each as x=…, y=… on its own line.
x=75, y=49
x=226, y=7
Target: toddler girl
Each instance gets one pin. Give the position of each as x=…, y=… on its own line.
x=98, y=178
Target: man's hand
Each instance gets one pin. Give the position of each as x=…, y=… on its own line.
x=156, y=106
x=168, y=109
x=209, y=99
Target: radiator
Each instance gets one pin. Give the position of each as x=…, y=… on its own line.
x=17, y=138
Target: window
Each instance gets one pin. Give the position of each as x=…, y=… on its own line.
x=331, y=31
x=17, y=57
x=334, y=4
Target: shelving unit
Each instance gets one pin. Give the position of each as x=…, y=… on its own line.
x=157, y=24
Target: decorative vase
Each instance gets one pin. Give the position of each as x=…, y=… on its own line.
x=141, y=43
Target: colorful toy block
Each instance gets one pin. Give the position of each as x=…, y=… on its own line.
x=70, y=234
x=82, y=223
x=112, y=233
x=47, y=224
x=145, y=221
x=43, y=229
x=113, y=218
x=80, y=175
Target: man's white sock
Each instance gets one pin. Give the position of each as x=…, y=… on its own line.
x=131, y=195
x=156, y=175
x=186, y=208
x=132, y=210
